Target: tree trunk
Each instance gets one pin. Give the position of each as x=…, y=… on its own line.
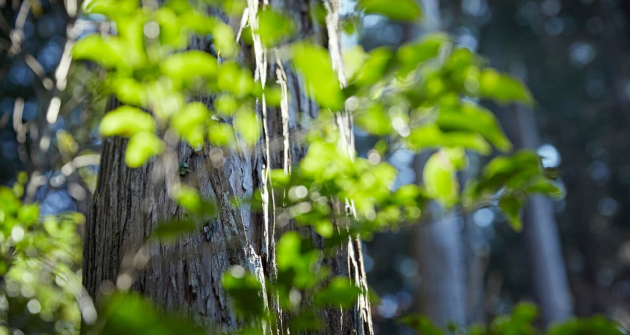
x=185, y=275
x=436, y=246
x=548, y=275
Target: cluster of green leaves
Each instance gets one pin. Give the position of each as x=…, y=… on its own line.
x=327, y=172
x=150, y=70
x=40, y=262
x=303, y=287
x=421, y=96
x=519, y=322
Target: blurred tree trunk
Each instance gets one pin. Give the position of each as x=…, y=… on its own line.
x=185, y=275
x=437, y=246
x=540, y=234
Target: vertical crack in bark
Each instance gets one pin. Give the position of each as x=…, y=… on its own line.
x=284, y=109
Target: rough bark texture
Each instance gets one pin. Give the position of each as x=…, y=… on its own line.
x=185, y=275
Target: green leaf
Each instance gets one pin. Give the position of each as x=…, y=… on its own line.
x=401, y=10
x=248, y=126
x=411, y=55
x=224, y=39
x=221, y=134
x=190, y=68
x=440, y=180
x=374, y=67
x=111, y=8
x=190, y=123
x=545, y=187
x=314, y=64
x=29, y=213
x=235, y=80
x=504, y=88
x=108, y=54
x=374, y=120
x=129, y=91
x=430, y=136
x=593, y=325
x=126, y=121
x=288, y=250
x=353, y=58
x=173, y=228
x=141, y=147
x=473, y=118
x=131, y=313
x=245, y=291
x=511, y=205
x=422, y=324
x=226, y=104
x=273, y=27
x=189, y=198
x=171, y=32
x=340, y=292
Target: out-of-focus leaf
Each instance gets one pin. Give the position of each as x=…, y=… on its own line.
x=245, y=291
x=430, y=136
x=221, y=134
x=189, y=198
x=401, y=10
x=339, y=292
x=296, y=267
x=248, y=125
x=421, y=324
x=224, y=39
x=141, y=147
x=132, y=314
x=473, y=118
x=593, y=325
x=304, y=321
x=273, y=27
x=353, y=58
x=374, y=120
x=190, y=68
x=374, y=66
x=190, y=123
x=313, y=63
x=235, y=80
x=412, y=54
x=504, y=88
x=129, y=91
x=93, y=47
x=171, y=32
x=511, y=205
x=126, y=121
x=226, y=104
x=111, y=8
x=173, y=228
x=28, y=213
x=440, y=179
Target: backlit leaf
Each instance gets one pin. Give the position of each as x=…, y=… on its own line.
x=430, y=136
x=314, y=64
x=141, y=147
x=401, y=10
x=440, y=179
x=126, y=121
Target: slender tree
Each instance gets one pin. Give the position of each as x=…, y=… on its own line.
x=437, y=246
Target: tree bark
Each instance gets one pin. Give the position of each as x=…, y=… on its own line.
x=540, y=233
x=436, y=246
x=185, y=275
